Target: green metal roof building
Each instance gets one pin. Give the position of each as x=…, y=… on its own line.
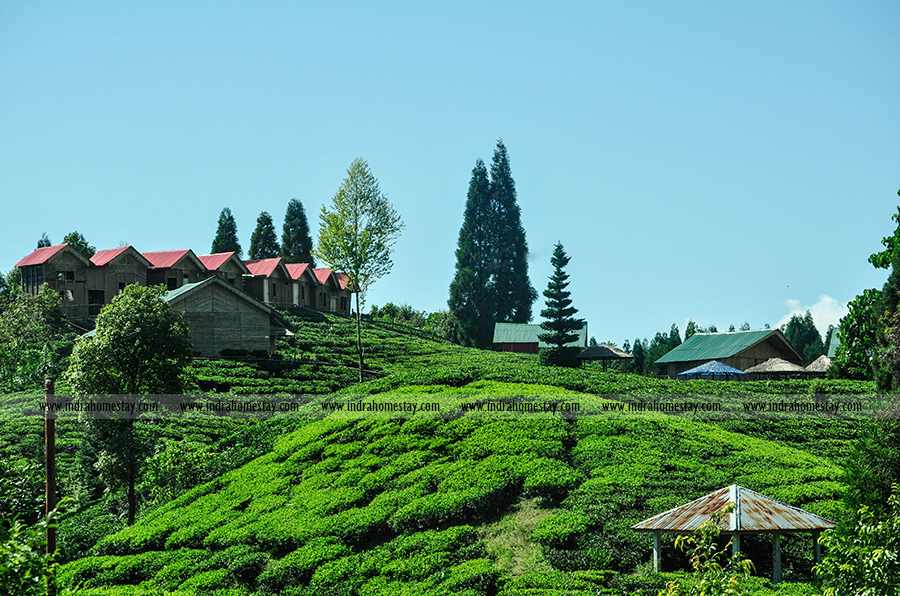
x=523, y=337
x=740, y=349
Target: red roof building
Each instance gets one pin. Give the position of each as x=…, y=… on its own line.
x=174, y=268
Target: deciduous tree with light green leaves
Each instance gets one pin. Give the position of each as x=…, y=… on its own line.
x=356, y=235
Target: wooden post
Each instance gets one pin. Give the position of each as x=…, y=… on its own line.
x=656, y=553
x=817, y=547
x=50, y=470
x=776, y=559
x=736, y=544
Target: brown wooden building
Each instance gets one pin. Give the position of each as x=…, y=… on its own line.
x=269, y=282
x=331, y=293
x=65, y=270
x=223, y=317
x=305, y=284
x=739, y=349
x=174, y=268
x=227, y=266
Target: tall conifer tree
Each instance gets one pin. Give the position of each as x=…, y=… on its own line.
x=263, y=241
x=491, y=282
x=226, y=239
x=561, y=326
x=296, y=244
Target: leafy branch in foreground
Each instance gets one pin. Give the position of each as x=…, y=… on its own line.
x=714, y=573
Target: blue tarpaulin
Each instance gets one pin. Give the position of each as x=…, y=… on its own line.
x=713, y=368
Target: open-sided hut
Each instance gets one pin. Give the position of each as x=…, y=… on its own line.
x=604, y=353
x=752, y=513
x=738, y=349
x=712, y=370
x=775, y=369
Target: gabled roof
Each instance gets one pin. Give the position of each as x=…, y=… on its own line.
x=265, y=267
x=297, y=269
x=164, y=259
x=209, y=282
x=107, y=256
x=214, y=261
x=714, y=346
x=323, y=276
x=343, y=279
x=42, y=255
x=754, y=512
x=523, y=333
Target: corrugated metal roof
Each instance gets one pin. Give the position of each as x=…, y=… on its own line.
x=322, y=275
x=524, y=333
x=714, y=346
x=108, y=255
x=753, y=512
x=296, y=269
x=167, y=258
x=41, y=255
x=263, y=266
x=214, y=261
x=187, y=288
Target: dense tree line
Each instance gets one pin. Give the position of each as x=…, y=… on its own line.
x=296, y=243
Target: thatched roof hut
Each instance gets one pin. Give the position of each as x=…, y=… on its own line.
x=820, y=365
x=776, y=368
x=604, y=352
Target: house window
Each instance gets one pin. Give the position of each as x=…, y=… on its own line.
x=274, y=286
x=171, y=283
x=231, y=280
x=65, y=276
x=121, y=287
x=184, y=280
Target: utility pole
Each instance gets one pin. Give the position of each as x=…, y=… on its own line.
x=50, y=471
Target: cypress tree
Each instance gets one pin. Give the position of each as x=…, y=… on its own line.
x=226, y=239
x=514, y=292
x=471, y=292
x=491, y=282
x=263, y=241
x=296, y=244
x=561, y=325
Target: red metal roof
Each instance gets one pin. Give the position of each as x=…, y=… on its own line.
x=263, y=266
x=343, y=279
x=103, y=257
x=296, y=269
x=322, y=275
x=165, y=258
x=754, y=512
x=41, y=255
x=216, y=260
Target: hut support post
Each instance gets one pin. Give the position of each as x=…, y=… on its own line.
x=817, y=547
x=776, y=559
x=735, y=545
x=656, y=552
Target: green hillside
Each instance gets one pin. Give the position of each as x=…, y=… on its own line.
x=459, y=504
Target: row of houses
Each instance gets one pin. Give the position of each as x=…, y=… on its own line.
x=86, y=285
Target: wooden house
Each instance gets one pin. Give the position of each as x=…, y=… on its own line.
x=738, y=349
x=523, y=337
x=65, y=270
x=111, y=271
x=226, y=266
x=331, y=294
x=174, y=268
x=304, y=284
x=269, y=282
x=223, y=317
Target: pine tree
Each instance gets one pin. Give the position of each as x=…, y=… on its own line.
x=471, y=292
x=263, y=241
x=296, y=244
x=226, y=239
x=561, y=325
x=491, y=282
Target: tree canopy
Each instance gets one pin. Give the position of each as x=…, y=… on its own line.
x=226, y=239
x=296, y=243
x=44, y=241
x=357, y=233
x=79, y=243
x=802, y=333
x=491, y=282
x=263, y=241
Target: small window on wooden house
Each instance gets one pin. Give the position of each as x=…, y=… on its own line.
x=184, y=280
x=121, y=286
x=171, y=283
x=231, y=280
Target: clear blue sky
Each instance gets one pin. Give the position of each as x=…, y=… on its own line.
x=724, y=162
